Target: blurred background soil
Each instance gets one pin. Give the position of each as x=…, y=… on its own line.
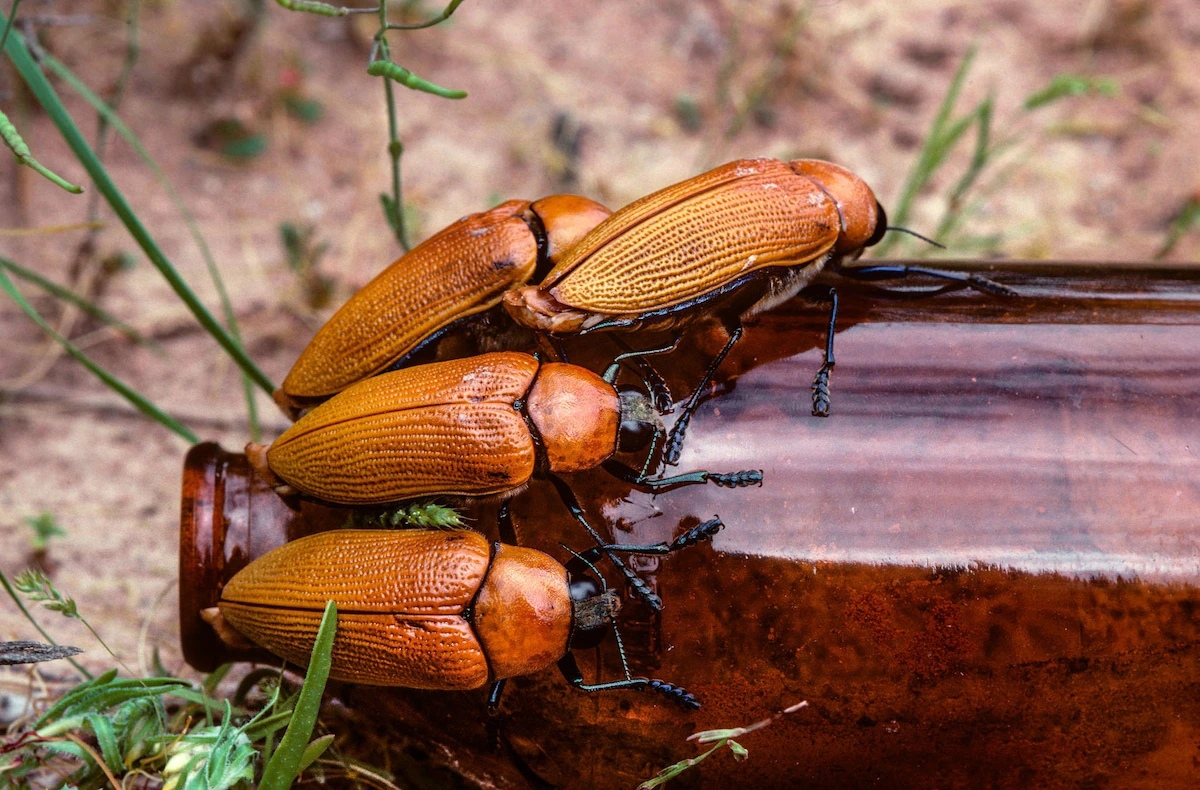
x=609, y=100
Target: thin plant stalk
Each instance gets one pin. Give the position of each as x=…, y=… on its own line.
x=8, y=588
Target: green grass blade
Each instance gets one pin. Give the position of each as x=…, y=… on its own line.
x=139, y=402
x=938, y=143
x=314, y=750
x=284, y=765
x=106, y=737
x=67, y=295
x=110, y=116
x=48, y=98
x=8, y=23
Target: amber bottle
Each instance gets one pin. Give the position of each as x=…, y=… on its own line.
x=983, y=569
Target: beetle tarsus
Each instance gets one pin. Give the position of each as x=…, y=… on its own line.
x=674, y=446
x=676, y=694
x=643, y=591
x=980, y=283
x=897, y=271
x=820, y=391
x=697, y=534
x=746, y=477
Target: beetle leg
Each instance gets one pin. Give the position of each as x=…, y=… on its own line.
x=557, y=350
x=494, y=694
x=570, y=670
x=675, y=439
x=504, y=523
x=746, y=477
x=637, y=583
x=895, y=271
x=696, y=534
x=820, y=385
x=656, y=385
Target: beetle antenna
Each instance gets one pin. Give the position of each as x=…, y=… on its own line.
x=616, y=632
x=613, y=622
x=587, y=562
x=918, y=235
x=658, y=432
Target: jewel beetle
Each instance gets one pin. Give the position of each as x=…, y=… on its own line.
x=452, y=278
x=726, y=244
x=474, y=428
x=433, y=609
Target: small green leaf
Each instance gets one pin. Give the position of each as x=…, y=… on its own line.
x=314, y=750
x=106, y=737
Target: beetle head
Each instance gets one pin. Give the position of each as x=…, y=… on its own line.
x=861, y=216
x=640, y=423
x=594, y=608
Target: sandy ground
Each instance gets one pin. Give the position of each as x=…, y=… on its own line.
x=1091, y=178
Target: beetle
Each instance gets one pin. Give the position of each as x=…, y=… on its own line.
x=453, y=278
x=432, y=609
x=473, y=428
x=729, y=243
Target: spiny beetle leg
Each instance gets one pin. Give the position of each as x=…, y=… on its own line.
x=679, y=429
x=746, y=477
x=695, y=535
x=820, y=385
x=636, y=583
x=570, y=670
x=895, y=271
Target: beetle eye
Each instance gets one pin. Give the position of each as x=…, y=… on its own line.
x=880, y=226
x=634, y=435
x=639, y=422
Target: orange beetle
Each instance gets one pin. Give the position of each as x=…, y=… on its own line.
x=728, y=243
x=459, y=273
x=431, y=609
x=476, y=427
x=754, y=221
x=731, y=242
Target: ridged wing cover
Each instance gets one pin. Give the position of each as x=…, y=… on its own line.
x=400, y=595
x=444, y=428
x=691, y=238
x=462, y=270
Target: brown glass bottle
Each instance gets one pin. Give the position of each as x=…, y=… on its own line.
x=982, y=570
